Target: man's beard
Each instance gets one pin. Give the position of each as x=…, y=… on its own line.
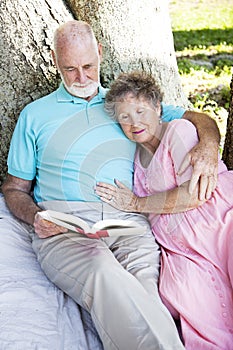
x=82, y=90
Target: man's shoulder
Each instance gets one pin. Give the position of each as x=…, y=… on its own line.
x=170, y=112
x=103, y=91
x=42, y=101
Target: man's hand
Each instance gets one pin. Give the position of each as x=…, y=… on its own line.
x=45, y=228
x=205, y=169
x=204, y=156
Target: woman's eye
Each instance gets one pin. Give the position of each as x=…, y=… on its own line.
x=140, y=111
x=123, y=117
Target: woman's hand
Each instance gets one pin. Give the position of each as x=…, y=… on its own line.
x=119, y=196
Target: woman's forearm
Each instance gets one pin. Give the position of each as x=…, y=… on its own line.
x=172, y=201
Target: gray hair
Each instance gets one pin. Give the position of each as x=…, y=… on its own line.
x=73, y=30
x=139, y=84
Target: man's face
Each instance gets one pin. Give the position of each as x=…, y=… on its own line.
x=79, y=67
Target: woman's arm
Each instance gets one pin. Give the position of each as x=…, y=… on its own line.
x=171, y=201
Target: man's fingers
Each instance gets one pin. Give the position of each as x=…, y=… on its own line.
x=212, y=181
x=203, y=186
x=209, y=190
x=206, y=185
x=45, y=228
x=193, y=182
x=185, y=164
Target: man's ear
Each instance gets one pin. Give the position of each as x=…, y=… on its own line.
x=100, y=51
x=54, y=57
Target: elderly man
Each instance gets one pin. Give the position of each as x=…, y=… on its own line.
x=64, y=143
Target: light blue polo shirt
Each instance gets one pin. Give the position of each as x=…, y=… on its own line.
x=68, y=144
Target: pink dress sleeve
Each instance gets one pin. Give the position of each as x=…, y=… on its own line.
x=181, y=137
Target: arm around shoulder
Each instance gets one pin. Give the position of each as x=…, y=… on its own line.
x=206, y=126
x=204, y=156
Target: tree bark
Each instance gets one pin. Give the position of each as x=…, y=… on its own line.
x=134, y=36
x=26, y=71
x=228, y=145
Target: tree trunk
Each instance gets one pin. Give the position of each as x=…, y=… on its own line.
x=134, y=37
x=26, y=71
x=228, y=146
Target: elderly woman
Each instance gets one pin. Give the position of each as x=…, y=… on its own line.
x=196, y=276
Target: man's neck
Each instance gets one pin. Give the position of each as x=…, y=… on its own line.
x=92, y=96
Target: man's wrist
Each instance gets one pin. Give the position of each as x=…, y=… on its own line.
x=37, y=210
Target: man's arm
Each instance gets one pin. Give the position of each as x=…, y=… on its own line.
x=204, y=156
x=18, y=199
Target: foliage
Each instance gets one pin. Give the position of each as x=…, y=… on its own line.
x=203, y=40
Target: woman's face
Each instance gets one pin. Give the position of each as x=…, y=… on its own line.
x=138, y=118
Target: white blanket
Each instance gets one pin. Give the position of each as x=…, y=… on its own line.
x=34, y=313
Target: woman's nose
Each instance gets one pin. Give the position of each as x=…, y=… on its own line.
x=135, y=120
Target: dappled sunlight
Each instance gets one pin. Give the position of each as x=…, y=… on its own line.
x=203, y=39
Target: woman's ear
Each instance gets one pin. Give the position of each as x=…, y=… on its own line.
x=159, y=108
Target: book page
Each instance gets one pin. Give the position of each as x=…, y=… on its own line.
x=126, y=231
x=69, y=221
x=114, y=223
x=118, y=227
x=109, y=227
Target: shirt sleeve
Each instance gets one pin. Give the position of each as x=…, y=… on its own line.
x=170, y=112
x=22, y=153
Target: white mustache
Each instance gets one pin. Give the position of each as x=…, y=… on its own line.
x=82, y=85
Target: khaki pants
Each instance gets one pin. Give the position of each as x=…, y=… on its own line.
x=114, y=279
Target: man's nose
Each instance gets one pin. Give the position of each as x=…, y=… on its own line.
x=81, y=76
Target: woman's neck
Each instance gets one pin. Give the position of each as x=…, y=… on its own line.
x=152, y=145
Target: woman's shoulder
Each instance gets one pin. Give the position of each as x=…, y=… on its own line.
x=180, y=133
x=181, y=127
x=180, y=124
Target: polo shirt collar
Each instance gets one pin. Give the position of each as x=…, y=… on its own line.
x=64, y=96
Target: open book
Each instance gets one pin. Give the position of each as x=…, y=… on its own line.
x=103, y=228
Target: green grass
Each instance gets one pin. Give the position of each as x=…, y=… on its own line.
x=203, y=39
x=201, y=14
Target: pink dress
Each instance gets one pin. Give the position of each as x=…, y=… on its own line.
x=197, y=246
